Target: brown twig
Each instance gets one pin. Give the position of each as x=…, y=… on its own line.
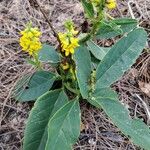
x=47, y=19
x=146, y=107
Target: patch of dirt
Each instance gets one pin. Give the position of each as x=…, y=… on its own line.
x=99, y=132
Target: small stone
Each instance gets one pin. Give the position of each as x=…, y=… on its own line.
x=92, y=142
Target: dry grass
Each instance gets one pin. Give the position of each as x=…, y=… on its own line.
x=99, y=132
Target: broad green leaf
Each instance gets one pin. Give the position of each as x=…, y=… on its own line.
x=48, y=54
x=98, y=52
x=88, y=8
x=36, y=133
x=109, y=29
x=31, y=87
x=83, y=69
x=102, y=93
x=105, y=92
x=135, y=129
x=120, y=58
x=64, y=127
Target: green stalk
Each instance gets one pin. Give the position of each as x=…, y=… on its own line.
x=96, y=23
x=72, y=90
x=37, y=62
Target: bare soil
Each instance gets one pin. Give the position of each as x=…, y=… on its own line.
x=99, y=133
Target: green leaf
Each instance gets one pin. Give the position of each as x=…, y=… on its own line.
x=83, y=69
x=105, y=92
x=36, y=133
x=48, y=54
x=64, y=127
x=31, y=87
x=109, y=29
x=120, y=58
x=88, y=8
x=135, y=129
x=98, y=52
x=30, y=61
x=102, y=93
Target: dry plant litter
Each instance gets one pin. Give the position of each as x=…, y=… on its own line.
x=98, y=131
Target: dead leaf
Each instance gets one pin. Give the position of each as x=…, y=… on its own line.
x=145, y=87
x=82, y=126
x=134, y=73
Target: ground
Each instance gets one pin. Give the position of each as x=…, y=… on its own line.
x=99, y=133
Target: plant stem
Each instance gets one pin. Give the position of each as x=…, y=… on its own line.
x=71, y=89
x=38, y=63
x=96, y=23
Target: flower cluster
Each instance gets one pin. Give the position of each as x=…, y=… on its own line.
x=111, y=4
x=68, y=40
x=30, y=41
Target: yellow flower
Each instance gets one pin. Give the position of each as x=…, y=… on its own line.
x=72, y=73
x=68, y=43
x=30, y=41
x=65, y=66
x=111, y=4
x=68, y=40
x=74, y=32
x=69, y=25
x=35, y=32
